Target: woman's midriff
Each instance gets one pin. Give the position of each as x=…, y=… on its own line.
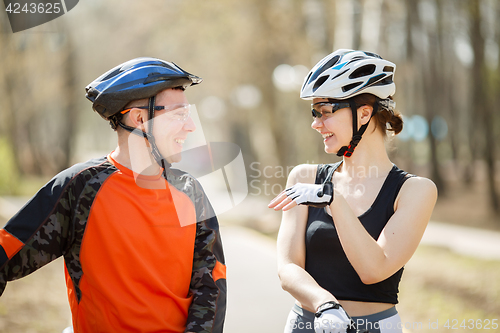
x=356, y=309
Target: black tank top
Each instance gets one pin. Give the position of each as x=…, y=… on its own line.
x=326, y=261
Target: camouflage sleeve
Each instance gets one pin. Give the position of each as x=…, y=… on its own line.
x=208, y=282
x=37, y=234
x=43, y=229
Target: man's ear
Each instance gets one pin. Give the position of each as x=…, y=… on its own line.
x=364, y=114
x=136, y=118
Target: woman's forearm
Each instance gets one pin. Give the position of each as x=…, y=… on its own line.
x=296, y=281
x=363, y=252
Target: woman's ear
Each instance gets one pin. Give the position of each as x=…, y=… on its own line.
x=364, y=114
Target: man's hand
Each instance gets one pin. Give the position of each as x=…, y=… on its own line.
x=316, y=195
x=331, y=318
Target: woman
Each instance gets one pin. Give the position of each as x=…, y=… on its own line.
x=349, y=228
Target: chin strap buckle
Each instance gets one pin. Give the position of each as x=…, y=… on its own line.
x=348, y=150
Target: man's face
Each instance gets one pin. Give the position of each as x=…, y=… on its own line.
x=169, y=130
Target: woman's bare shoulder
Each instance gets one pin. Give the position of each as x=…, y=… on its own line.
x=418, y=188
x=420, y=184
x=302, y=173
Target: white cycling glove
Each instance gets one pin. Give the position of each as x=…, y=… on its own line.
x=316, y=195
x=331, y=318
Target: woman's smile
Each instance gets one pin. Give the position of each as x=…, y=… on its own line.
x=327, y=136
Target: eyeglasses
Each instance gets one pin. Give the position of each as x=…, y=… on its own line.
x=326, y=109
x=179, y=112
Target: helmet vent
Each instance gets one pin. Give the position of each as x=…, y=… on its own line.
x=351, y=86
x=306, y=81
x=387, y=80
x=376, y=78
x=370, y=54
x=388, y=69
x=320, y=81
x=336, y=76
x=363, y=71
x=168, y=66
x=323, y=68
x=155, y=77
x=356, y=59
x=112, y=74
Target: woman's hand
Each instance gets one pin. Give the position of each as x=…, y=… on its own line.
x=316, y=195
x=331, y=318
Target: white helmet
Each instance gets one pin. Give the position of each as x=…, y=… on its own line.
x=347, y=73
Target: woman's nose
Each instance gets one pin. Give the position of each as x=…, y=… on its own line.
x=317, y=123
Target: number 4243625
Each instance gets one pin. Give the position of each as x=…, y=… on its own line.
x=472, y=324
x=40, y=8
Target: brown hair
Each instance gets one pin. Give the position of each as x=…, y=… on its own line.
x=383, y=116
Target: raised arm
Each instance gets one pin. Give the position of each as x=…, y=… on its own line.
x=376, y=260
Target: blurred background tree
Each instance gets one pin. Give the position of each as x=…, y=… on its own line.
x=253, y=56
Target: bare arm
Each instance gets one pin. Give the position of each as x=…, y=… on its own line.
x=376, y=260
x=291, y=249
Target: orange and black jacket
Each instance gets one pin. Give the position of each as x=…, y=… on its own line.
x=142, y=253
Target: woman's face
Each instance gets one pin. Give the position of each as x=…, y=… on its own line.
x=336, y=127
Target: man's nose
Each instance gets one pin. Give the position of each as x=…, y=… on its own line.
x=189, y=125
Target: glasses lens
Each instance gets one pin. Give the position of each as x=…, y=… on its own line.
x=180, y=112
x=316, y=114
x=327, y=108
x=322, y=109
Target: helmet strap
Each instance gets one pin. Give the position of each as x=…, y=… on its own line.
x=357, y=134
x=149, y=136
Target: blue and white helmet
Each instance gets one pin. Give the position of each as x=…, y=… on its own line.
x=347, y=73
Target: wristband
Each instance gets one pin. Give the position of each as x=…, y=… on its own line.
x=326, y=306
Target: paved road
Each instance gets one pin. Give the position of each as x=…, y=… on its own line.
x=479, y=243
x=253, y=285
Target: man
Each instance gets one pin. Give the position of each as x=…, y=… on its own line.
x=140, y=240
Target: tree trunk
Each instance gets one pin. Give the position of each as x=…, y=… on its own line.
x=480, y=100
x=70, y=92
x=357, y=23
